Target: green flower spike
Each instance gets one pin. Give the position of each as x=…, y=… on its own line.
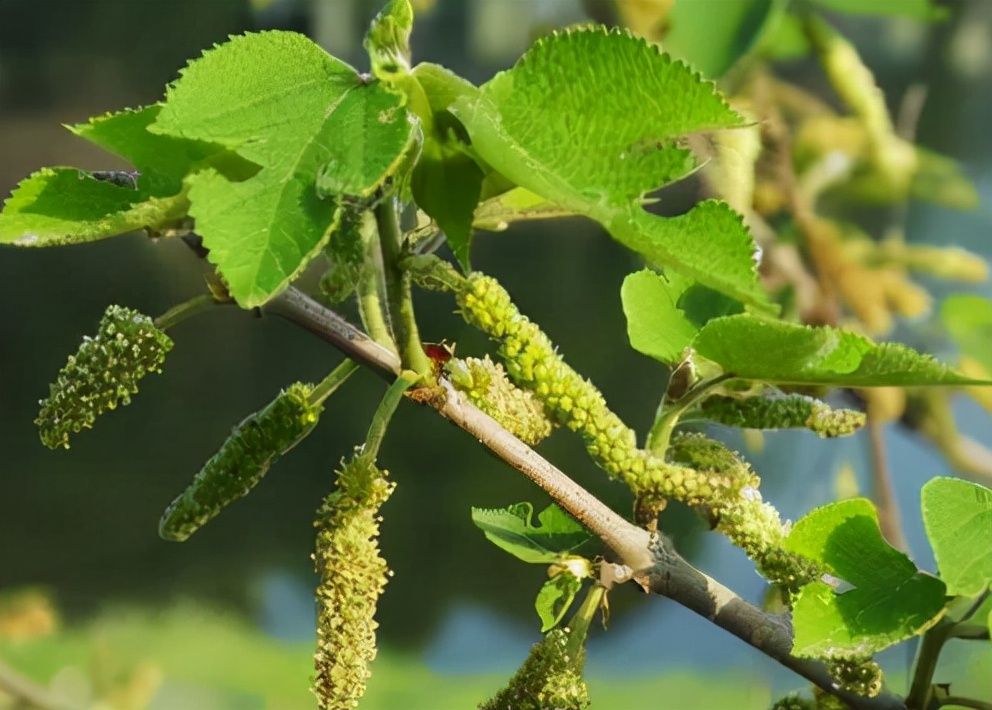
x=242, y=461
x=782, y=411
x=485, y=384
x=103, y=374
x=352, y=576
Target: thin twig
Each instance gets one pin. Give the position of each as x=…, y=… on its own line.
x=889, y=519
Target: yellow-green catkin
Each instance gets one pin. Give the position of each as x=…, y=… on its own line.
x=103, y=374
x=352, y=576
x=794, y=701
x=551, y=677
x=737, y=510
x=782, y=411
x=242, y=461
x=485, y=384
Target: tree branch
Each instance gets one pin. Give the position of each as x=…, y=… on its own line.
x=655, y=565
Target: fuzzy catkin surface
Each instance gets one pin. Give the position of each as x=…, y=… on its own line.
x=103, y=374
x=352, y=576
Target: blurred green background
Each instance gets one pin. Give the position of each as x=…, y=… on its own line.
x=227, y=617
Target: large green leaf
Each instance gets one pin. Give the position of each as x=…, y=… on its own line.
x=590, y=120
x=655, y=324
x=512, y=530
x=58, y=206
x=958, y=518
x=775, y=351
x=162, y=161
x=890, y=600
x=283, y=103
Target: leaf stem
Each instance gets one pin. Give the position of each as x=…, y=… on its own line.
x=187, y=309
x=333, y=380
x=371, y=286
x=668, y=417
x=579, y=623
x=398, y=291
x=384, y=412
x=925, y=664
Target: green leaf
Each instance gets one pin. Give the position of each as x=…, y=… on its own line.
x=940, y=180
x=446, y=185
x=958, y=519
x=555, y=597
x=774, y=351
x=969, y=320
x=708, y=243
x=162, y=160
x=590, y=121
x=517, y=204
x=58, y=206
x=655, y=325
x=283, y=103
x=713, y=41
x=917, y=9
x=890, y=602
x=512, y=530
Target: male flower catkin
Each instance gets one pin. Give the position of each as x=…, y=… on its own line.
x=352, y=576
x=242, y=461
x=782, y=411
x=103, y=374
x=516, y=410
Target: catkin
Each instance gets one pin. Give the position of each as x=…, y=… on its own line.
x=103, y=374
x=242, y=461
x=352, y=576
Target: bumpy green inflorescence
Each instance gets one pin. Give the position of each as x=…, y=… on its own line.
x=738, y=511
x=242, y=461
x=549, y=678
x=699, y=472
x=352, y=576
x=794, y=702
x=103, y=374
x=782, y=411
x=857, y=675
x=485, y=384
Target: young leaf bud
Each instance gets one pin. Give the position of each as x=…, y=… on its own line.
x=242, y=461
x=103, y=374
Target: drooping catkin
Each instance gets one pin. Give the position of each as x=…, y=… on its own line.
x=242, y=461
x=103, y=374
x=352, y=576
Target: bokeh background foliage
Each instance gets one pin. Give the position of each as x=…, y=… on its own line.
x=94, y=601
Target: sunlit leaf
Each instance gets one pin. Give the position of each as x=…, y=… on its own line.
x=512, y=530
x=890, y=601
x=958, y=519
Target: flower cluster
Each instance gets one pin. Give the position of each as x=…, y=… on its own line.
x=857, y=675
x=549, y=678
x=242, y=461
x=352, y=576
x=485, y=384
x=782, y=411
x=103, y=374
